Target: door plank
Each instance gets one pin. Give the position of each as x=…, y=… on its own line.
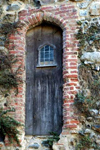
x=43, y=85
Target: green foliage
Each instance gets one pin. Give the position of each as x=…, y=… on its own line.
x=88, y=35
x=8, y=126
x=89, y=40
x=85, y=143
x=83, y=104
x=8, y=81
x=53, y=138
x=79, y=22
x=91, y=78
x=8, y=28
x=8, y=78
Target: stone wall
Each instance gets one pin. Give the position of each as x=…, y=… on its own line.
x=18, y=17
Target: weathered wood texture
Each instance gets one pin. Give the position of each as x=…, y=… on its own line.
x=44, y=84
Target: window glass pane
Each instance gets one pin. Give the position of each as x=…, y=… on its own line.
x=51, y=56
x=51, y=48
x=42, y=55
x=47, y=48
x=46, y=55
x=42, y=59
x=42, y=49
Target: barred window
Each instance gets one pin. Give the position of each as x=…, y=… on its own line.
x=46, y=56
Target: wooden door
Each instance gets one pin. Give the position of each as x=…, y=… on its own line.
x=43, y=81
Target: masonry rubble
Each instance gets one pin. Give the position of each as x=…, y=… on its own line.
x=65, y=14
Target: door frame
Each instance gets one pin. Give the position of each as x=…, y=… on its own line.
x=54, y=73
x=17, y=40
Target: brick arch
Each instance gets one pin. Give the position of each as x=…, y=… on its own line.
x=35, y=19
x=29, y=19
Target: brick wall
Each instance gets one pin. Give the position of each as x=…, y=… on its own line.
x=64, y=15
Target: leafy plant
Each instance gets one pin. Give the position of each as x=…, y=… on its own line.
x=88, y=36
x=8, y=126
x=85, y=143
x=8, y=78
x=53, y=138
x=83, y=104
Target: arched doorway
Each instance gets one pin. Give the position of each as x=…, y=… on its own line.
x=44, y=80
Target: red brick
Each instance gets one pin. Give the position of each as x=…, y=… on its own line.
x=71, y=88
x=71, y=126
x=72, y=76
x=31, y=11
x=72, y=60
x=12, y=37
x=23, y=13
x=65, y=132
x=74, y=80
x=72, y=97
x=31, y=20
x=68, y=117
x=69, y=55
x=74, y=121
x=72, y=83
x=70, y=101
x=72, y=67
x=72, y=92
x=47, y=8
x=34, y=19
x=74, y=72
x=22, y=18
x=73, y=64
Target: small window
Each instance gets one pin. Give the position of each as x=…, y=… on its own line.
x=46, y=56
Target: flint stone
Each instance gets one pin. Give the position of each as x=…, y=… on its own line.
x=98, y=141
x=1, y=43
x=93, y=135
x=83, y=5
x=1, y=2
x=90, y=119
x=78, y=0
x=88, y=131
x=1, y=10
x=83, y=13
x=13, y=7
x=93, y=112
x=95, y=8
x=10, y=17
x=87, y=93
x=82, y=119
x=35, y=146
x=43, y=2
x=91, y=57
x=2, y=38
x=17, y=148
x=98, y=103
x=74, y=131
x=58, y=147
x=96, y=128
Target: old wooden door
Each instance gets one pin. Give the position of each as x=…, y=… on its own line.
x=43, y=80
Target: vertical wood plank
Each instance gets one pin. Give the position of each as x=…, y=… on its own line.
x=43, y=85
